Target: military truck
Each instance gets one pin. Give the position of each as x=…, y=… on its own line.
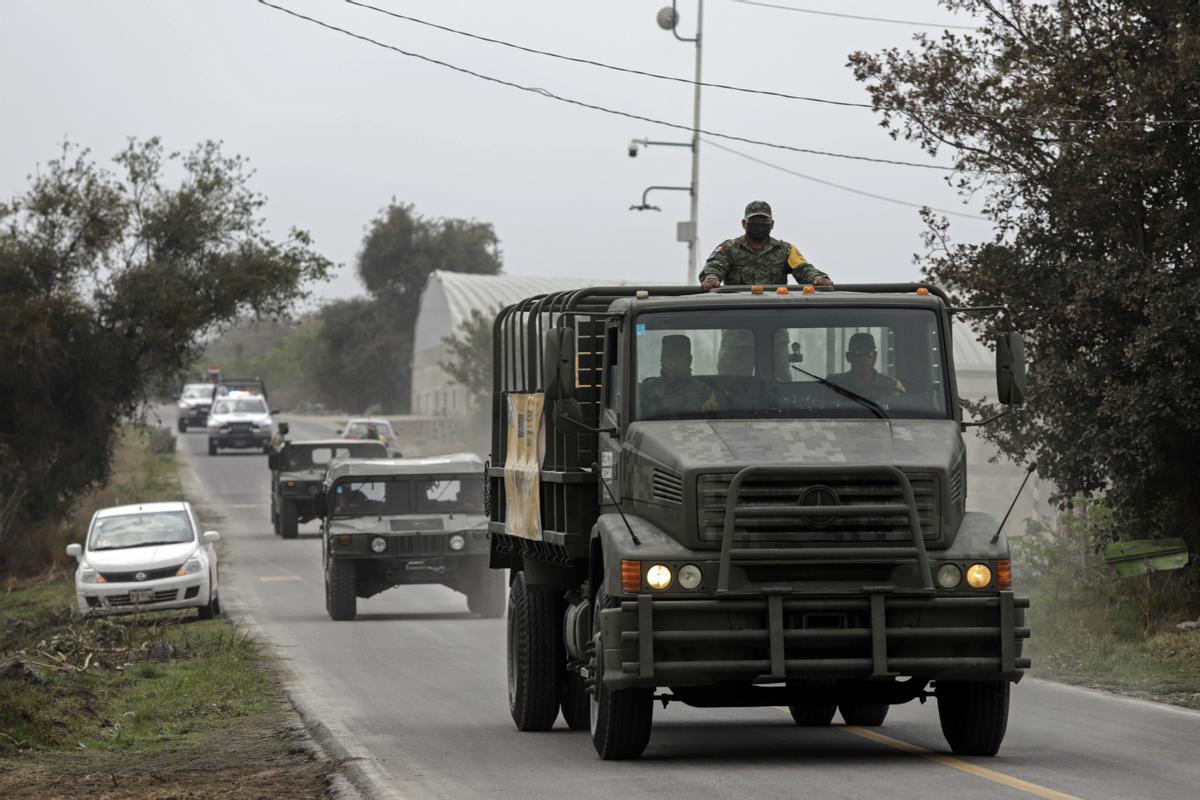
x=392, y=522
x=750, y=497
x=298, y=476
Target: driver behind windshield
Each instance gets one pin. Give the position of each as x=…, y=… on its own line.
x=675, y=391
x=863, y=378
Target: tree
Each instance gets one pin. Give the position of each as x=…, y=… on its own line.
x=1077, y=122
x=357, y=363
x=399, y=252
x=107, y=283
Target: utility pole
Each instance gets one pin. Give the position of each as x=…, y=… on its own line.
x=689, y=230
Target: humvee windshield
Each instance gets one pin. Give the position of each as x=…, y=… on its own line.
x=299, y=456
x=442, y=494
x=753, y=363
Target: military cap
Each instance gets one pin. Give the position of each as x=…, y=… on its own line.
x=676, y=345
x=758, y=208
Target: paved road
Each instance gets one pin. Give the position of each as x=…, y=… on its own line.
x=416, y=688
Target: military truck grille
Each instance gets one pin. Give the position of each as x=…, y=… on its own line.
x=764, y=493
x=957, y=494
x=406, y=525
x=667, y=486
x=416, y=545
x=148, y=574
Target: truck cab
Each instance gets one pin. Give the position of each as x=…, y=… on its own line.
x=750, y=497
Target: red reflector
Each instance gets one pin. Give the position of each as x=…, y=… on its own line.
x=631, y=576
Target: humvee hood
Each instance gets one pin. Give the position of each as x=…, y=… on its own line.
x=723, y=443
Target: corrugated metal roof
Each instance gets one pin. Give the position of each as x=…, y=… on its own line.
x=970, y=354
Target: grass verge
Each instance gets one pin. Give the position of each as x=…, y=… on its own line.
x=154, y=705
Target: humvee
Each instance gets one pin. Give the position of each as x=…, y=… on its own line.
x=391, y=522
x=298, y=476
x=750, y=497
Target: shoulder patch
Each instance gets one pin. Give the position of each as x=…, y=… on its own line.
x=794, y=257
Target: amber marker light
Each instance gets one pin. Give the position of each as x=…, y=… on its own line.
x=781, y=290
x=809, y=290
x=631, y=576
x=756, y=289
x=1004, y=575
x=979, y=576
x=291, y=484
x=344, y=538
x=921, y=290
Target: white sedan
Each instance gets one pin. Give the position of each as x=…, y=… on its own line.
x=148, y=557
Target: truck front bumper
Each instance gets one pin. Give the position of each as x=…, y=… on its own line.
x=650, y=641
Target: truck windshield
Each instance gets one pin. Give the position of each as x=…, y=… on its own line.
x=761, y=363
x=301, y=456
x=439, y=494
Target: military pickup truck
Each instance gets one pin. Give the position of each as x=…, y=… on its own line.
x=298, y=476
x=751, y=497
x=392, y=522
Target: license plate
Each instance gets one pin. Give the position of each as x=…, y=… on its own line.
x=415, y=565
x=240, y=443
x=142, y=596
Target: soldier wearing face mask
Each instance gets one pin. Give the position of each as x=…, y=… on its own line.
x=757, y=258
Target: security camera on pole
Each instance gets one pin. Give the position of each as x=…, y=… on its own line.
x=668, y=19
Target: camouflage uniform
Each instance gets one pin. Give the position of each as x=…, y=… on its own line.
x=735, y=263
x=875, y=387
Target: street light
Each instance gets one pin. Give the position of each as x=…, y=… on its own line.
x=668, y=19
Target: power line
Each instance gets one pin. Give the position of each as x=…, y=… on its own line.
x=592, y=106
x=858, y=17
x=839, y=186
x=766, y=92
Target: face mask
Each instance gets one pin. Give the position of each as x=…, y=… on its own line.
x=758, y=231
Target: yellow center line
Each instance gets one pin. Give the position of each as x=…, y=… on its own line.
x=965, y=766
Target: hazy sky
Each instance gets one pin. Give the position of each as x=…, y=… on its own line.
x=336, y=127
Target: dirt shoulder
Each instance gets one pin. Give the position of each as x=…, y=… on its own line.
x=160, y=705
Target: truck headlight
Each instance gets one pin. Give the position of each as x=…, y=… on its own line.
x=379, y=544
x=690, y=576
x=949, y=576
x=979, y=576
x=658, y=576
x=190, y=567
x=457, y=542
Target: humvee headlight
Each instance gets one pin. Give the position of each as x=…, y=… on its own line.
x=457, y=542
x=379, y=544
x=949, y=576
x=979, y=576
x=690, y=576
x=658, y=576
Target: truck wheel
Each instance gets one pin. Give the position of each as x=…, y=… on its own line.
x=813, y=716
x=340, y=577
x=620, y=719
x=576, y=703
x=289, y=524
x=182, y=425
x=864, y=716
x=535, y=656
x=486, y=596
x=212, y=447
x=275, y=521
x=974, y=716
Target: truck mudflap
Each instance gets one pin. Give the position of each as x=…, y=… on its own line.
x=651, y=641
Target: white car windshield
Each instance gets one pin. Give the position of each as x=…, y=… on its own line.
x=382, y=428
x=141, y=530
x=197, y=391
x=246, y=405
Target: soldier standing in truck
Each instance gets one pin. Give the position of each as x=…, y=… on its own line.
x=757, y=258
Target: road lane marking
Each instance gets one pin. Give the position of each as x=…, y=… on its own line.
x=965, y=766
x=275, y=578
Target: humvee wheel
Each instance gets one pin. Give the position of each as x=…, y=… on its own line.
x=212, y=447
x=182, y=425
x=534, y=657
x=974, y=716
x=275, y=522
x=813, y=716
x=620, y=719
x=288, y=522
x=864, y=716
x=339, y=588
x=576, y=703
x=486, y=596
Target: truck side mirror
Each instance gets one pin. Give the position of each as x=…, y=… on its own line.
x=274, y=460
x=1010, y=369
x=284, y=429
x=558, y=364
x=75, y=551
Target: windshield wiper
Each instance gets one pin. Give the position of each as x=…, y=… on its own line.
x=867, y=402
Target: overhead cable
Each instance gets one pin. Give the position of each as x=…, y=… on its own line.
x=839, y=186
x=764, y=92
x=858, y=17
x=592, y=106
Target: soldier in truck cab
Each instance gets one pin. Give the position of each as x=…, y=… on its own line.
x=675, y=391
x=863, y=378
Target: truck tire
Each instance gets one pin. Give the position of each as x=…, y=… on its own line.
x=182, y=425
x=813, y=716
x=275, y=521
x=289, y=523
x=340, y=577
x=486, y=596
x=212, y=447
x=974, y=716
x=535, y=656
x=620, y=719
x=576, y=703
x=864, y=716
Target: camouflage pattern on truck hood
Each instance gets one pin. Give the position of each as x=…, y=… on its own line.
x=722, y=444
